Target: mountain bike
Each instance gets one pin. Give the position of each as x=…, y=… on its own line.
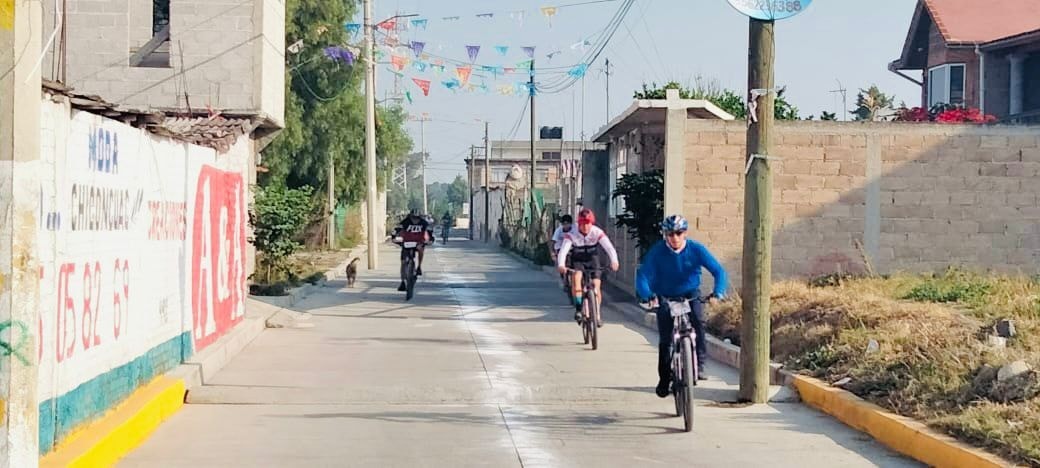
x=408, y=265
x=684, y=359
x=590, y=313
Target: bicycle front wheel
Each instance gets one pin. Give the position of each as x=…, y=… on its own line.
x=689, y=379
x=592, y=318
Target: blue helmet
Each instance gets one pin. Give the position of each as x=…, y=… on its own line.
x=674, y=223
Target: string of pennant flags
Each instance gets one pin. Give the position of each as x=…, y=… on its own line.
x=518, y=16
x=417, y=58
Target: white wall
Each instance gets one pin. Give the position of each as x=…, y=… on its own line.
x=142, y=247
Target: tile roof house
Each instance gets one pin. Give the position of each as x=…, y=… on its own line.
x=983, y=54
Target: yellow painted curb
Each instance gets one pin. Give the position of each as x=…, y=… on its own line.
x=105, y=441
x=904, y=435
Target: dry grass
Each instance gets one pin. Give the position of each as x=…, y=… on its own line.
x=930, y=332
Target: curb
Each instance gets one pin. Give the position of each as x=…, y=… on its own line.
x=105, y=441
x=296, y=295
x=899, y=433
x=904, y=435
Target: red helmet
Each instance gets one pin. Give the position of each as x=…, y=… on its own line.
x=586, y=216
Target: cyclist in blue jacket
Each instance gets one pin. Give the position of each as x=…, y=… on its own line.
x=671, y=269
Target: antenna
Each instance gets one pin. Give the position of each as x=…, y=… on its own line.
x=844, y=100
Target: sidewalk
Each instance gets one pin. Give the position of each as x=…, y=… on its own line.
x=483, y=368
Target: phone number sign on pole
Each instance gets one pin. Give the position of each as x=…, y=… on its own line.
x=770, y=9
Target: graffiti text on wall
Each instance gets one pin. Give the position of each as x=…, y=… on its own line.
x=80, y=308
x=218, y=252
x=104, y=209
x=103, y=148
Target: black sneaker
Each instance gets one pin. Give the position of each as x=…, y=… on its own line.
x=402, y=287
x=418, y=272
x=662, y=389
x=577, y=316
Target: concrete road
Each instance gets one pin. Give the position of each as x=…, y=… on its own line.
x=483, y=368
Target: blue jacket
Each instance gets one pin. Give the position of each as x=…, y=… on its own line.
x=667, y=273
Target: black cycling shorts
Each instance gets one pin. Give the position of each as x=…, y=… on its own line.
x=588, y=265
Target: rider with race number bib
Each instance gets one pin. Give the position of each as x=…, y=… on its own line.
x=414, y=228
x=672, y=269
x=583, y=246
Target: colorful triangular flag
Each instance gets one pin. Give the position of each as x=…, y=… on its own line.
x=398, y=61
x=463, y=73
x=473, y=51
x=549, y=12
x=352, y=28
x=424, y=85
x=579, y=70
x=529, y=50
x=502, y=50
x=419, y=23
x=417, y=47
x=486, y=15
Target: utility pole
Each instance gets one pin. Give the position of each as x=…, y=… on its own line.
x=758, y=235
x=370, y=137
x=534, y=162
x=330, y=230
x=487, y=185
x=422, y=155
x=470, y=166
x=608, y=89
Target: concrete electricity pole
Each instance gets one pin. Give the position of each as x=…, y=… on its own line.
x=370, y=137
x=758, y=234
x=487, y=185
x=422, y=157
x=20, y=45
x=330, y=230
x=534, y=162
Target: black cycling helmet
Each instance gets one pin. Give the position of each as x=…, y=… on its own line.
x=567, y=219
x=413, y=213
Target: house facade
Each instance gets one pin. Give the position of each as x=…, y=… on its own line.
x=183, y=57
x=976, y=54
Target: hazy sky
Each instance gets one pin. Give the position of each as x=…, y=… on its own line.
x=660, y=41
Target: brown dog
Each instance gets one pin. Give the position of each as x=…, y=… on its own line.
x=352, y=272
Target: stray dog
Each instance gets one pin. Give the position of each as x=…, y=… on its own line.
x=352, y=272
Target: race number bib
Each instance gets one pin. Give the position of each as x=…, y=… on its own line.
x=679, y=308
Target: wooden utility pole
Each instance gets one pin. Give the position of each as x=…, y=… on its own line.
x=758, y=236
x=487, y=185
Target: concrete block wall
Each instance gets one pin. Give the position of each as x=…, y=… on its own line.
x=916, y=197
x=143, y=260
x=232, y=54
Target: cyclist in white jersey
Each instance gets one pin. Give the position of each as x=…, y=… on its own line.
x=583, y=245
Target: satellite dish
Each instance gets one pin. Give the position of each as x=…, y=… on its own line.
x=767, y=10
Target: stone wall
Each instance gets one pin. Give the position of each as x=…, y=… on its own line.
x=916, y=197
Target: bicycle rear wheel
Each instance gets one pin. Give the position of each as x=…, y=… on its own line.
x=689, y=379
x=590, y=318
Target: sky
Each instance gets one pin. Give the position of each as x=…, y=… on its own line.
x=833, y=41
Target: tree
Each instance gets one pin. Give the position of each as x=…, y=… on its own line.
x=448, y=197
x=872, y=105
x=643, y=195
x=727, y=100
x=824, y=115
x=324, y=110
x=278, y=216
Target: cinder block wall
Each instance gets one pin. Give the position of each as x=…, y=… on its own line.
x=917, y=197
x=225, y=54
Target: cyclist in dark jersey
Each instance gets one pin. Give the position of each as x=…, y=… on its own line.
x=414, y=228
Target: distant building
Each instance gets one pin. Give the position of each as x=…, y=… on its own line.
x=557, y=173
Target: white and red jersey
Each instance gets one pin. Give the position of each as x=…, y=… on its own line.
x=583, y=246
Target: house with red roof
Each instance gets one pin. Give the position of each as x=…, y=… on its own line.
x=976, y=53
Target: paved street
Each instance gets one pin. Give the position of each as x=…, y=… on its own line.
x=483, y=368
